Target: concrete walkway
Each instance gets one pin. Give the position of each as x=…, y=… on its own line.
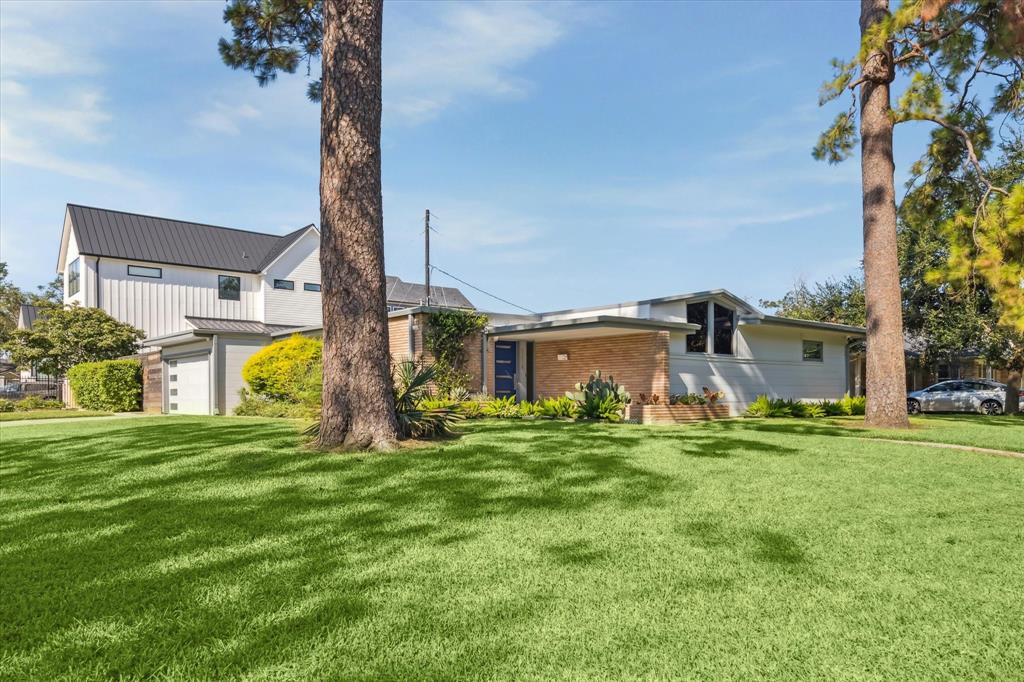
x=950, y=446
x=66, y=420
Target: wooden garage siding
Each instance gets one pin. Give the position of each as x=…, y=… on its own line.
x=152, y=383
x=637, y=361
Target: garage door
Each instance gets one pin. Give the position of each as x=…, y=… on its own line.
x=188, y=385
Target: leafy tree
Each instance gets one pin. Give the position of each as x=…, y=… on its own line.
x=839, y=301
x=272, y=36
x=63, y=337
x=948, y=49
x=11, y=299
x=51, y=293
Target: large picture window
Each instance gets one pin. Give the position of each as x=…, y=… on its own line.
x=725, y=322
x=697, y=313
x=229, y=287
x=74, y=277
x=814, y=351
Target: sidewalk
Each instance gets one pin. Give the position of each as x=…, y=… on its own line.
x=65, y=420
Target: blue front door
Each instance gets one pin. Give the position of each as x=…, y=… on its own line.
x=504, y=368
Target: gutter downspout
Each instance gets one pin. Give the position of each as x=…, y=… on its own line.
x=483, y=362
x=214, y=407
x=98, y=283
x=412, y=338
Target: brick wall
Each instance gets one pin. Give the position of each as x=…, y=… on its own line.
x=398, y=338
x=637, y=361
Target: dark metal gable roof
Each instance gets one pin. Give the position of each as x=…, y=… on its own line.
x=131, y=236
x=399, y=292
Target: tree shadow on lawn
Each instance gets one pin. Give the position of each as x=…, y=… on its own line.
x=226, y=546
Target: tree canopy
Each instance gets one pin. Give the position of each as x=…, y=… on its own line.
x=63, y=337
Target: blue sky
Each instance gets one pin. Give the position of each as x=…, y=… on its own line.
x=573, y=154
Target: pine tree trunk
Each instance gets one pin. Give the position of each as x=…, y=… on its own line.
x=886, y=370
x=358, y=404
x=1012, y=403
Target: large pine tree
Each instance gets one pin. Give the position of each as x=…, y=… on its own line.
x=948, y=49
x=270, y=36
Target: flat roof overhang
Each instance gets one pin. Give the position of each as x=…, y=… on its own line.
x=586, y=328
x=808, y=324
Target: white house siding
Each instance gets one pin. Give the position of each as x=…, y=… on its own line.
x=768, y=360
x=233, y=353
x=301, y=265
x=87, y=282
x=159, y=306
x=639, y=310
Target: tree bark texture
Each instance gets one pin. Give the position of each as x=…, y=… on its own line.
x=1012, y=403
x=886, y=370
x=358, y=403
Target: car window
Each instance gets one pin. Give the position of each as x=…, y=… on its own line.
x=981, y=386
x=960, y=386
x=937, y=388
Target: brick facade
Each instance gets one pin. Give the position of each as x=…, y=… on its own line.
x=637, y=361
x=398, y=345
x=152, y=382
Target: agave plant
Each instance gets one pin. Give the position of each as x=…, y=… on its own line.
x=598, y=398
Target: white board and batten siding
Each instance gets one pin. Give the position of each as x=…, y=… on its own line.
x=158, y=306
x=768, y=360
x=300, y=264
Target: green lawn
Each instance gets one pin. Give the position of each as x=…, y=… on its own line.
x=49, y=414
x=215, y=548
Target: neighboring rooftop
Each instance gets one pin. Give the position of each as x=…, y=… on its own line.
x=27, y=316
x=133, y=236
x=411, y=294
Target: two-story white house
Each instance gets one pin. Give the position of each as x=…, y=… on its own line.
x=207, y=297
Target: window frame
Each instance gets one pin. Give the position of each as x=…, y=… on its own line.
x=74, y=276
x=821, y=350
x=285, y=284
x=306, y=287
x=220, y=288
x=703, y=332
x=712, y=316
x=159, y=271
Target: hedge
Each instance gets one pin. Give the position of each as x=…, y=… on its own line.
x=109, y=385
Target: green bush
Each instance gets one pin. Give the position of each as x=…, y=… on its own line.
x=6, y=405
x=470, y=409
x=289, y=370
x=528, y=409
x=562, y=407
x=764, y=406
x=502, y=408
x=260, y=406
x=687, y=399
x=108, y=385
x=853, y=405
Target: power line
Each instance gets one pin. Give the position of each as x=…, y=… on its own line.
x=486, y=293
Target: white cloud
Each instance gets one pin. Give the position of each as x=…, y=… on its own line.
x=225, y=118
x=432, y=61
x=30, y=47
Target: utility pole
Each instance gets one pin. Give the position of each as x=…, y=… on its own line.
x=426, y=253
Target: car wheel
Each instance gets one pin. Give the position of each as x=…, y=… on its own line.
x=991, y=407
x=913, y=407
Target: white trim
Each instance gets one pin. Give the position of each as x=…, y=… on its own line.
x=295, y=241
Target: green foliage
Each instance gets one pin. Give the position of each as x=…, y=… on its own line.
x=470, y=409
x=63, y=337
x=12, y=298
x=853, y=405
x=764, y=406
x=501, y=407
x=445, y=337
x=411, y=388
x=109, y=385
x=838, y=301
x=803, y=410
x=529, y=409
x=600, y=398
x=273, y=35
x=290, y=370
x=837, y=142
x=687, y=399
x=562, y=407
x=35, y=402
x=6, y=405
x=253, y=405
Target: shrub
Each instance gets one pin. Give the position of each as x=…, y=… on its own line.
x=260, y=406
x=832, y=408
x=598, y=398
x=6, y=405
x=289, y=370
x=687, y=399
x=111, y=385
x=764, y=406
x=502, y=408
x=853, y=406
x=35, y=402
x=805, y=410
x=470, y=409
x=528, y=409
x=562, y=407
x=445, y=337
x=411, y=388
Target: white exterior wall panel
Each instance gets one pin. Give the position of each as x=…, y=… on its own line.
x=299, y=264
x=768, y=360
x=233, y=354
x=159, y=306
